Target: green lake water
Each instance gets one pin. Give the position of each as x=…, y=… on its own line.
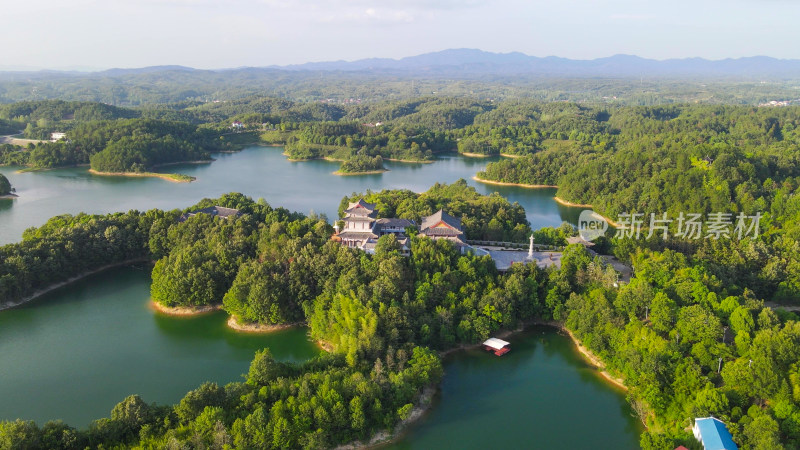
x=76, y=352
x=541, y=395
x=257, y=172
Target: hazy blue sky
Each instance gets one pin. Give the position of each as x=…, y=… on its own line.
x=232, y=33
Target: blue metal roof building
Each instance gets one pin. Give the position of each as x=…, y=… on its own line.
x=713, y=434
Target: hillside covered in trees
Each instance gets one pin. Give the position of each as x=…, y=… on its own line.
x=690, y=333
x=171, y=84
x=384, y=315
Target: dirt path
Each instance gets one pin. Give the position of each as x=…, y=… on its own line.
x=11, y=139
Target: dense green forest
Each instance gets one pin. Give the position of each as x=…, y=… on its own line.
x=664, y=332
x=178, y=84
x=546, y=139
x=691, y=160
x=362, y=164
x=124, y=145
x=690, y=333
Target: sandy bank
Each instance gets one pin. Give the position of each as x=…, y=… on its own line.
x=410, y=161
x=184, y=310
x=568, y=203
x=173, y=177
x=233, y=323
x=587, y=354
x=502, y=183
x=580, y=205
x=421, y=406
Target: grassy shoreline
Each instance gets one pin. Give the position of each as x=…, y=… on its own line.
x=173, y=177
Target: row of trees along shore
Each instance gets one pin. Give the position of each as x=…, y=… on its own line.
x=385, y=316
x=629, y=148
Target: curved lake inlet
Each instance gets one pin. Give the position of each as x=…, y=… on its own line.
x=541, y=395
x=76, y=352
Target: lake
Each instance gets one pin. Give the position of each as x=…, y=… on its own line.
x=77, y=351
x=74, y=353
x=257, y=172
x=541, y=395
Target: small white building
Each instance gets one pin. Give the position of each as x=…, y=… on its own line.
x=57, y=136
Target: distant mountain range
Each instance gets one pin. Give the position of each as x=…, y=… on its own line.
x=476, y=63
x=472, y=61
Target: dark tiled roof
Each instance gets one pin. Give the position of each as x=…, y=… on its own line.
x=357, y=235
x=440, y=216
x=396, y=223
x=358, y=219
x=360, y=208
x=441, y=231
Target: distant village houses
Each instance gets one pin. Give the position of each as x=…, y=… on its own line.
x=237, y=126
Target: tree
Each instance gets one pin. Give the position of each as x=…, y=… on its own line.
x=264, y=368
x=195, y=401
x=132, y=413
x=19, y=435
x=5, y=185
x=662, y=313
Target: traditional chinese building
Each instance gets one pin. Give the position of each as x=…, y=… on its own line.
x=441, y=225
x=362, y=228
x=360, y=224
